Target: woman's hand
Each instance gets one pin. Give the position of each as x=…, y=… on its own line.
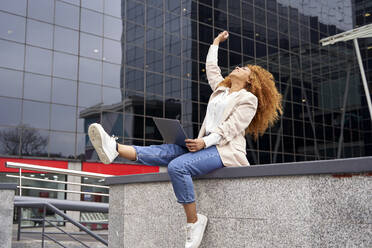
x=221, y=37
x=195, y=145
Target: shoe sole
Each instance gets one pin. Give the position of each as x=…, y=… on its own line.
x=96, y=139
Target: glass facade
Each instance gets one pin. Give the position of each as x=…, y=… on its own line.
x=65, y=64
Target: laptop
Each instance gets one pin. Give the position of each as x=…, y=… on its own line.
x=171, y=130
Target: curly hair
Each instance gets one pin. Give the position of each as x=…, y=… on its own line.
x=261, y=84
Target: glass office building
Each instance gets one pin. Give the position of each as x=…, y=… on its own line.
x=67, y=63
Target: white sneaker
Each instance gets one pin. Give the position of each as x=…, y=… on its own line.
x=195, y=232
x=104, y=144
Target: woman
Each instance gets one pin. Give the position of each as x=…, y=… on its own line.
x=246, y=101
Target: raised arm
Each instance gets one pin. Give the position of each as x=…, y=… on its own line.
x=212, y=70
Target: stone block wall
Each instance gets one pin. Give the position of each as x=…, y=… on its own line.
x=7, y=191
x=275, y=211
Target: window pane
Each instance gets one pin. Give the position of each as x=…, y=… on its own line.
x=205, y=14
x=135, y=12
x=205, y=33
x=151, y=131
x=67, y=15
x=12, y=55
x=134, y=80
x=75, y=2
x=172, y=87
x=11, y=83
x=66, y=40
x=154, y=105
x=114, y=7
x=41, y=10
x=64, y=91
x=205, y=93
x=173, y=6
x=155, y=3
x=154, y=17
x=113, y=123
x=154, y=39
x=111, y=75
x=134, y=102
x=234, y=24
x=36, y=114
x=96, y=5
x=10, y=110
x=173, y=44
x=65, y=65
x=10, y=140
x=89, y=95
x=173, y=108
x=135, y=34
x=154, y=61
x=90, y=70
x=91, y=22
x=220, y=19
x=38, y=60
x=39, y=34
x=112, y=51
x=154, y=83
x=12, y=27
x=172, y=24
x=80, y=146
x=135, y=56
x=62, y=144
x=17, y=7
x=63, y=118
x=133, y=126
x=112, y=96
x=34, y=142
x=190, y=90
x=37, y=87
x=173, y=65
x=235, y=43
x=113, y=27
x=90, y=46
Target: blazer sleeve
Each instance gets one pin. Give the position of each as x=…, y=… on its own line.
x=212, y=70
x=238, y=120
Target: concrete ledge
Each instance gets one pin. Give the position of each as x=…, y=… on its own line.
x=255, y=209
x=334, y=166
x=7, y=191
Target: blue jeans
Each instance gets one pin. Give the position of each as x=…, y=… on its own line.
x=182, y=165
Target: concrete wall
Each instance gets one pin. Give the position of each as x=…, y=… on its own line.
x=6, y=214
x=278, y=211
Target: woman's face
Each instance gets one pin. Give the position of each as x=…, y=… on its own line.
x=241, y=73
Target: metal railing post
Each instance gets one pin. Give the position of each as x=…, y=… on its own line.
x=42, y=234
x=19, y=213
x=20, y=181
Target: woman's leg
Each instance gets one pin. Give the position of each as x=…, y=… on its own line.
x=153, y=154
x=108, y=149
x=126, y=151
x=183, y=168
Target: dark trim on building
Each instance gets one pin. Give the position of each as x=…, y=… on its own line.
x=333, y=166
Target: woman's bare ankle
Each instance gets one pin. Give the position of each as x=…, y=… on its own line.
x=127, y=151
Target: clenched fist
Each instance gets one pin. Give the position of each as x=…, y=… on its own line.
x=195, y=145
x=221, y=37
